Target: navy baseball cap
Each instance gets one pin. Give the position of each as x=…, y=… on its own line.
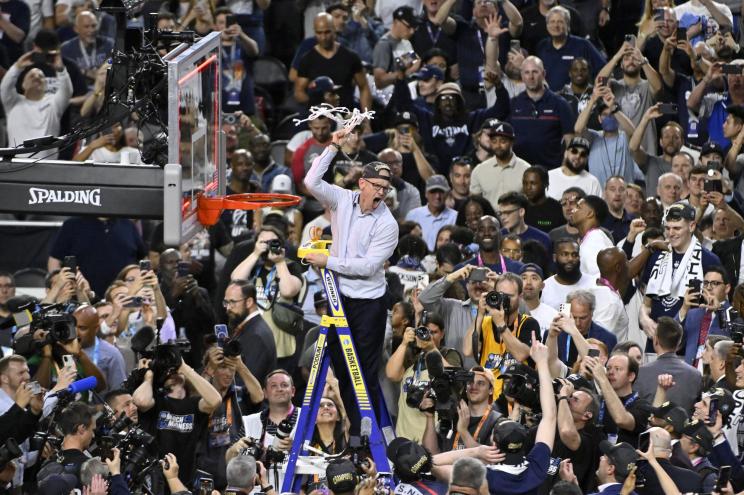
x=321, y=85
x=429, y=71
x=533, y=267
x=406, y=15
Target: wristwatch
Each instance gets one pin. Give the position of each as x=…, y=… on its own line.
x=267, y=488
x=615, y=109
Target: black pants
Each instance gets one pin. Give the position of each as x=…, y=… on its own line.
x=366, y=318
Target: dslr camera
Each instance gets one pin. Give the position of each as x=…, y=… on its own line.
x=275, y=246
x=498, y=300
x=422, y=333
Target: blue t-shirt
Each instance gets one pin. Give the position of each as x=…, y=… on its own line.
x=539, y=127
x=522, y=480
x=558, y=61
x=669, y=305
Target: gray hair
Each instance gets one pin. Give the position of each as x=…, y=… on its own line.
x=469, y=472
x=582, y=297
x=669, y=175
x=241, y=471
x=562, y=11
x=92, y=467
x=722, y=348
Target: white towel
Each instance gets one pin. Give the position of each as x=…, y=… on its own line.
x=664, y=281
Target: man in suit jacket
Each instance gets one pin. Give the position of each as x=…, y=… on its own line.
x=715, y=289
x=729, y=252
x=254, y=334
x=685, y=479
x=688, y=381
x=614, y=466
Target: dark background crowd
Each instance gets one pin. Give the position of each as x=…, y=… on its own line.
x=567, y=182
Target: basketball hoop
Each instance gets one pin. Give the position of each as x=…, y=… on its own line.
x=208, y=210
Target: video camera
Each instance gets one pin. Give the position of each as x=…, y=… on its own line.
x=446, y=387
x=134, y=444
x=8, y=452
x=55, y=319
x=732, y=323
x=524, y=389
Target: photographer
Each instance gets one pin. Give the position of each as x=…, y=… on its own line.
x=189, y=304
x=225, y=423
x=178, y=422
x=77, y=424
x=476, y=418
x=408, y=366
x=20, y=408
x=488, y=340
x=277, y=281
x=51, y=356
x=274, y=427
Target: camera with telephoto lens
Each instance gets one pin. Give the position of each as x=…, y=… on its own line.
x=8, y=452
x=498, y=300
x=232, y=348
x=41, y=438
x=254, y=449
x=167, y=358
x=447, y=387
x=134, y=444
x=275, y=246
x=416, y=393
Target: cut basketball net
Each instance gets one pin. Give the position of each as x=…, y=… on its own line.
x=355, y=117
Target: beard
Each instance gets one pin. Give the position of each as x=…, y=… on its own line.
x=574, y=167
x=572, y=276
x=235, y=319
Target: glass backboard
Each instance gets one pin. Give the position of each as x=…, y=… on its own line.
x=196, y=163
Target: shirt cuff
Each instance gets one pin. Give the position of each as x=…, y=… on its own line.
x=332, y=263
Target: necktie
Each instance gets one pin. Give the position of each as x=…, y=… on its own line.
x=704, y=328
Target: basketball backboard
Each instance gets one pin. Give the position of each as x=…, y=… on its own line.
x=196, y=149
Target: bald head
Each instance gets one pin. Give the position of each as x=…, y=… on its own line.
x=662, y=442
x=610, y=260
x=88, y=324
x=86, y=26
x=393, y=159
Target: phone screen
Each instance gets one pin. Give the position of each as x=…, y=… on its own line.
x=712, y=411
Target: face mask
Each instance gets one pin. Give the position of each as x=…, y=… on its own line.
x=610, y=124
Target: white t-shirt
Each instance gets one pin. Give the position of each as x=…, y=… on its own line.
x=559, y=182
x=610, y=312
x=544, y=314
x=554, y=294
x=593, y=242
x=690, y=13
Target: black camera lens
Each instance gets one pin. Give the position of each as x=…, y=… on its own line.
x=498, y=300
x=275, y=246
x=423, y=333
x=232, y=348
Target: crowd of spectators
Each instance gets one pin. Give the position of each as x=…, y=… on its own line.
x=594, y=297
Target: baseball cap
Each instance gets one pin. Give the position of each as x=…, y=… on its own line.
x=405, y=14
x=519, y=369
x=429, y=71
x=726, y=402
x=579, y=381
x=510, y=438
x=622, y=455
x=281, y=184
x=449, y=88
x=579, y=142
x=410, y=459
x=321, y=85
x=487, y=374
x=406, y=118
x=712, y=147
x=341, y=476
x=532, y=267
x=699, y=433
x=376, y=170
x=680, y=211
x=672, y=414
x=437, y=183
x=496, y=127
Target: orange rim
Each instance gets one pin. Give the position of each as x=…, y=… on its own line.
x=209, y=209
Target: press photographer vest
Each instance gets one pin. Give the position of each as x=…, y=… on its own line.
x=493, y=354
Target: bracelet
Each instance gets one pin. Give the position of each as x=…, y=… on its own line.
x=563, y=398
x=267, y=488
x=336, y=145
x=615, y=109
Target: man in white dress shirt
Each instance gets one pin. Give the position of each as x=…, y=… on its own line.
x=365, y=235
